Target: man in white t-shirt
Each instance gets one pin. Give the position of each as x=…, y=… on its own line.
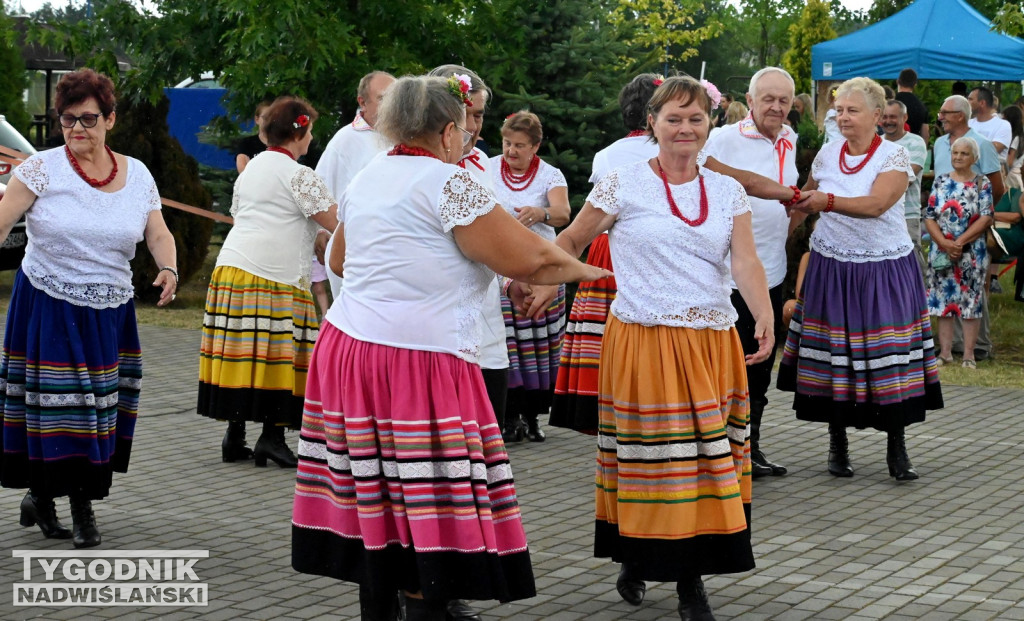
x=762, y=143
x=986, y=122
x=894, y=120
x=354, y=146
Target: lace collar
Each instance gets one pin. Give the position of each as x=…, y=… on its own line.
x=360, y=124
x=748, y=129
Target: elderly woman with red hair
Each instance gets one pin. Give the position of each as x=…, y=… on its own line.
x=71, y=367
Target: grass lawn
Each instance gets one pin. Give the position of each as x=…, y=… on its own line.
x=1005, y=370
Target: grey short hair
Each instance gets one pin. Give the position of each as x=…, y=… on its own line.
x=961, y=104
x=476, y=83
x=971, y=144
x=363, y=90
x=896, y=102
x=872, y=92
x=752, y=89
x=417, y=106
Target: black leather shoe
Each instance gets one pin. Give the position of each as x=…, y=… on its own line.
x=514, y=430
x=761, y=466
x=630, y=590
x=386, y=607
x=459, y=610
x=533, y=431
x=693, y=601
x=85, y=534
x=896, y=457
x=271, y=445
x=839, y=453
x=233, y=447
x=42, y=511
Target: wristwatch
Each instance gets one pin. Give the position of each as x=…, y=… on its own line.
x=547, y=214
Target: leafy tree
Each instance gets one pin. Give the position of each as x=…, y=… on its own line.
x=13, y=79
x=771, y=19
x=1010, y=19
x=815, y=26
x=665, y=25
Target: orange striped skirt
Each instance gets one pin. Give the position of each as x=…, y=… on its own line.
x=673, y=463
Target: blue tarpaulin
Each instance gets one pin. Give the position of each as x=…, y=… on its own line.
x=190, y=110
x=940, y=39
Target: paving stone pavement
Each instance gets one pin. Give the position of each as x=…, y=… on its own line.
x=949, y=546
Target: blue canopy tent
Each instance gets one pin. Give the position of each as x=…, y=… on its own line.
x=940, y=39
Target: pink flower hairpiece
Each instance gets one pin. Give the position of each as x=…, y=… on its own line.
x=713, y=93
x=658, y=81
x=459, y=86
x=301, y=121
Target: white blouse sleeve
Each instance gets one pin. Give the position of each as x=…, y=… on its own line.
x=605, y=195
x=32, y=172
x=739, y=201
x=310, y=192
x=556, y=180
x=153, y=197
x=897, y=160
x=234, y=197
x=463, y=200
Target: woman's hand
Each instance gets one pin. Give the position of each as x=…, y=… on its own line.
x=166, y=280
x=765, y=334
x=951, y=247
x=811, y=202
x=320, y=245
x=538, y=301
x=529, y=216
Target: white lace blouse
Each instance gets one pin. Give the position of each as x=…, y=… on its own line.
x=860, y=239
x=668, y=272
x=273, y=234
x=407, y=284
x=548, y=177
x=81, y=239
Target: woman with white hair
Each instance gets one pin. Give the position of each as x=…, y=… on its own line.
x=958, y=214
x=859, y=351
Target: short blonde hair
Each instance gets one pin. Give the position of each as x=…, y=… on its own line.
x=735, y=113
x=873, y=93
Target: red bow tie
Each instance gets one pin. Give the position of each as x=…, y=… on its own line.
x=472, y=157
x=781, y=146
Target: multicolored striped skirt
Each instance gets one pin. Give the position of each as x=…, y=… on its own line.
x=673, y=460
x=258, y=336
x=574, y=405
x=69, y=393
x=533, y=349
x=403, y=480
x=860, y=351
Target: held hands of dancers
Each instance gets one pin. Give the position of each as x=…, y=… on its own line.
x=812, y=201
x=533, y=300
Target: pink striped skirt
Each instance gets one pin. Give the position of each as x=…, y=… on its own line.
x=403, y=480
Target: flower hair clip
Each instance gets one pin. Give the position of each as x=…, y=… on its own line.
x=459, y=86
x=301, y=121
x=713, y=93
x=658, y=81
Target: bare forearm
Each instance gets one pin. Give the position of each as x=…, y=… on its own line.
x=161, y=246
x=753, y=286
x=975, y=231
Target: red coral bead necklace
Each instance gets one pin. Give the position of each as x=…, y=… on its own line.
x=845, y=150
x=281, y=150
x=403, y=149
x=96, y=183
x=675, y=208
x=518, y=183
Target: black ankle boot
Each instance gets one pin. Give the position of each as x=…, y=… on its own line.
x=839, y=452
x=693, y=600
x=514, y=429
x=896, y=456
x=233, y=447
x=459, y=610
x=86, y=535
x=41, y=510
x=424, y=610
x=533, y=431
x=271, y=445
x=382, y=607
x=631, y=590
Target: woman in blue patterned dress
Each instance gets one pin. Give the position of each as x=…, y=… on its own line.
x=958, y=214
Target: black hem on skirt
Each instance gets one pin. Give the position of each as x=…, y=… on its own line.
x=576, y=412
x=452, y=575
x=278, y=407
x=860, y=415
x=663, y=560
x=55, y=479
x=521, y=401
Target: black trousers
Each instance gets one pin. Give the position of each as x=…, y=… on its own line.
x=759, y=376
x=496, y=382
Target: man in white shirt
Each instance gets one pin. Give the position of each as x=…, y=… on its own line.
x=987, y=123
x=354, y=146
x=762, y=143
x=894, y=119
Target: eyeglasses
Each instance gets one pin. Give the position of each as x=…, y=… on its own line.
x=949, y=112
x=466, y=135
x=87, y=120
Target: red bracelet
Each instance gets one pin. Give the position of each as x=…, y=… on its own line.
x=795, y=199
x=831, y=203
